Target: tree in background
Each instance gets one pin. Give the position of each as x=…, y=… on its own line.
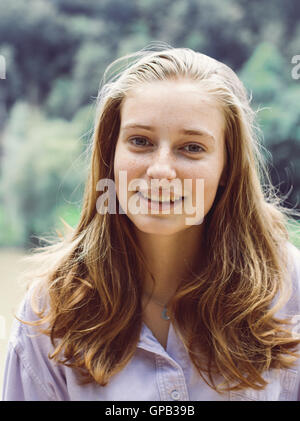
x=268, y=77
x=51, y=167
x=56, y=52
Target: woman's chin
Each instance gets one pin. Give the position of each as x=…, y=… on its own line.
x=159, y=225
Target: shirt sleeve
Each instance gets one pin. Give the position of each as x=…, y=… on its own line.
x=295, y=300
x=29, y=374
x=20, y=381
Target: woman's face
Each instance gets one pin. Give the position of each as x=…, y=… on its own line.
x=171, y=131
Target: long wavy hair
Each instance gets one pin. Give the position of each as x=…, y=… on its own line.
x=225, y=313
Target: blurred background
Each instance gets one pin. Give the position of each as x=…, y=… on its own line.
x=53, y=54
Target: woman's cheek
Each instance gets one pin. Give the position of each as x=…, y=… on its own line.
x=124, y=162
x=205, y=190
x=131, y=169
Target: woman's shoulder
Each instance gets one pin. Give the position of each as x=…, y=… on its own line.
x=294, y=254
x=294, y=265
x=25, y=327
x=29, y=373
x=292, y=306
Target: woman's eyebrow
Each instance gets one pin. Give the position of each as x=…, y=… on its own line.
x=138, y=126
x=186, y=132
x=191, y=132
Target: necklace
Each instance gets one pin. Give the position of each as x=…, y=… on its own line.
x=164, y=310
x=164, y=314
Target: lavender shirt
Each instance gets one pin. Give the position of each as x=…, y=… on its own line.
x=153, y=374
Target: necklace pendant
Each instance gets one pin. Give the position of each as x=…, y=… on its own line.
x=164, y=314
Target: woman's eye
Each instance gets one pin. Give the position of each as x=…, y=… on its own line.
x=139, y=141
x=194, y=148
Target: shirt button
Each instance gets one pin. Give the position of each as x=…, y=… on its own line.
x=175, y=395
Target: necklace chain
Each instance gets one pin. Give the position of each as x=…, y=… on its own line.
x=164, y=310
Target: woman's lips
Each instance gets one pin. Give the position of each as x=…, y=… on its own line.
x=159, y=205
x=163, y=198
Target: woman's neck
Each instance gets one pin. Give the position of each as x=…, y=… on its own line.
x=170, y=259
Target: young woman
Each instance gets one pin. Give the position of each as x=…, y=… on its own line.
x=187, y=289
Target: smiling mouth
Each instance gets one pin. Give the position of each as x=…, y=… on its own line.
x=170, y=200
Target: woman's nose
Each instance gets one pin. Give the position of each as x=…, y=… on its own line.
x=161, y=166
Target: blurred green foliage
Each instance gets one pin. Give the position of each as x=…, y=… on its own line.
x=51, y=167
x=294, y=232
x=56, y=52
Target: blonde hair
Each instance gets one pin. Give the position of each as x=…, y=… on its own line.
x=93, y=277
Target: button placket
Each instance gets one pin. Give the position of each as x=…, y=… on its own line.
x=170, y=379
x=169, y=373
x=175, y=395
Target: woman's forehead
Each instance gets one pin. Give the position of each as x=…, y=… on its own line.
x=168, y=86
x=180, y=104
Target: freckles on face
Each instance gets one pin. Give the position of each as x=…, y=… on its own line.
x=125, y=161
x=171, y=129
